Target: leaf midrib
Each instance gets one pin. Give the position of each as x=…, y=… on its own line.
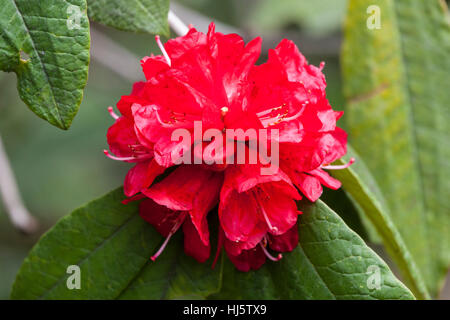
x=44, y=70
x=83, y=260
x=316, y=271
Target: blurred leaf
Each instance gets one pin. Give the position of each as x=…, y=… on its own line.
x=396, y=85
x=148, y=16
x=359, y=183
x=330, y=262
x=111, y=245
x=317, y=17
x=46, y=43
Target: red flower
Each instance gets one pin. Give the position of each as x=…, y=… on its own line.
x=212, y=79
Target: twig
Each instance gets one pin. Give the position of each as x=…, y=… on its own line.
x=199, y=21
x=18, y=213
x=323, y=46
x=176, y=24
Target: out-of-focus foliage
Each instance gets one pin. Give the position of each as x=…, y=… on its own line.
x=317, y=17
x=396, y=84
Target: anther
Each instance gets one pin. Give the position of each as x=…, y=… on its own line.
x=223, y=112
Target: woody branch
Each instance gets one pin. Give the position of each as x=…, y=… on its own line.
x=9, y=192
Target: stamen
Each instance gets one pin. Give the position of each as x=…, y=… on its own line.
x=268, y=111
x=219, y=248
x=268, y=120
x=275, y=229
x=106, y=152
x=268, y=255
x=163, y=50
x=158, y=253
x=112, y=113
x=265, y=240
x=163, y=123
x=163, y=246
x=322, y=65
x=340, y=167
x=298, y=114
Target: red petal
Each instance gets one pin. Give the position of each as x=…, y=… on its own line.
x=246, y=176
x=141, y=176
x=171, y=93
x=125, y=102
x=297, y=68
x=238, y=217
x=285, y=242
x=249, y=259
x=162, y=218
x=121, y=136
x=326, y=179
x=236, y=247
x=336, y=147
x=310, y=186
x=178, y=190
x=206, y=199
x=193, y=245
x=279, y=206
x=153, y=65
x=179, y=46
x=151, y=133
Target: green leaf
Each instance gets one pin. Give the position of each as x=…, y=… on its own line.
x=330, y=262
x=358, y=182
x=396, y=85
x=146, y=16
x=340, y=202
x=111, y=244
x=46, y=43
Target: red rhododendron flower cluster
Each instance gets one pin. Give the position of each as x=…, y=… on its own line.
x=213, y=78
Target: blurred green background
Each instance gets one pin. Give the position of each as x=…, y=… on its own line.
x=57, y=171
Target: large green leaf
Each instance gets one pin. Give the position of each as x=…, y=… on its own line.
x=396, y=85
x=46, y=43
x=362, y=188
x=111, y=244
x=148, y=16
x=330, y=262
